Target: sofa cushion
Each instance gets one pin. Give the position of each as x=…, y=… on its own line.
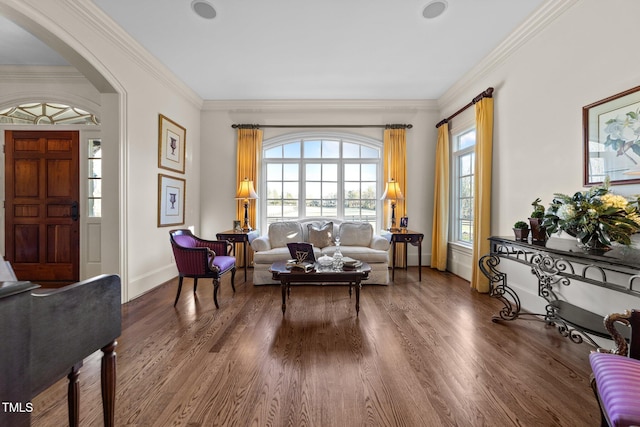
x=355, y=234
x=281, y=233
x=321, y=236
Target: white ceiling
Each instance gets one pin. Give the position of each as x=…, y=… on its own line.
x=303, y=49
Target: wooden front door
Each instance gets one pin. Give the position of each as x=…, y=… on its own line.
x=42, y=230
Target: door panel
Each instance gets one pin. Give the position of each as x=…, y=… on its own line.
x=42, y=190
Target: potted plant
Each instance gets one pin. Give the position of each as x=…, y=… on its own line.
x=521, y=230
x=538, y=232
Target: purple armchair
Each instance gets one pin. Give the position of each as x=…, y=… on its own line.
x=616, y=373
x=199, y=258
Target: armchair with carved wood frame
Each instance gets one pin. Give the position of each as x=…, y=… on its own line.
x=199, y=258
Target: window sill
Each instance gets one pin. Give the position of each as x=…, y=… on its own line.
x=463, y=248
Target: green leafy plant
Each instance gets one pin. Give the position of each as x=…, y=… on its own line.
x=595, y=216
x=538, y=209
x=521, y=225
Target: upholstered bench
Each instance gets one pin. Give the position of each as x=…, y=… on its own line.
x=616, y=373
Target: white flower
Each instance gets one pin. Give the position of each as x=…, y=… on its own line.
x=623, y=127
x=566, y=212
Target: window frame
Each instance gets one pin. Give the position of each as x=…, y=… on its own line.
x=456, y=155
x=302, y=162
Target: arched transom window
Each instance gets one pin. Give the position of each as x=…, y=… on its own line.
x=46, y=113
x=321, y=175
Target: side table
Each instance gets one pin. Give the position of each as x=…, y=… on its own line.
x=244, y=237
x=406, y=236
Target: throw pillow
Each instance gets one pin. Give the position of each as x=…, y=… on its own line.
x=355, y=234
x=281, y=233
x=322, y=236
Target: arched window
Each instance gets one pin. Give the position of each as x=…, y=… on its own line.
x=47, y=114
x=316, y=174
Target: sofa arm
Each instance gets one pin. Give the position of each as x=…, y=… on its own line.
x=380, y=242
x=261, y=244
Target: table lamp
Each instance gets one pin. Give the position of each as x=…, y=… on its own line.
x=246, y=192
x=392, y=192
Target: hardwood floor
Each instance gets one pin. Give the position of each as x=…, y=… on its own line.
x=419, y=354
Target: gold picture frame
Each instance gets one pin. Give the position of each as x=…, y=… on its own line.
x=172, y=140
x=171, y=200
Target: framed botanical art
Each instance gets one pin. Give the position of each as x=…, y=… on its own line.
x=171, y=200
x=611, y=132
x=172, y=139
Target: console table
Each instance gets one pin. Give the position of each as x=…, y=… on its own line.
x=556, y=263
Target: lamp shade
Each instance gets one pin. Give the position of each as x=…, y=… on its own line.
x=246, y=190
x=392, y=191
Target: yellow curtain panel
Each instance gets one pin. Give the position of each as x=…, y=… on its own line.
x=441, y=201
x=249, y=152
x=394, y=167
x=482, y=190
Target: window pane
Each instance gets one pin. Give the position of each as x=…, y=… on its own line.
x=330, y=190
x=350, y=151
x=369, y=172
x=274, y=153
x=369, y=191
x=312, y=149
x=351, y=190
x=95, y=208
x=466, y=231
x=95, y=149
x=330, y=149
x=466, y=208
x=330, y=172
x=290, y=172
x=274, y=208
x=290, y=190
x=370, y=153
x=95, y=188
x=290, y=209
x=352, y=172
x=274, y=172
x=313, y=190
x=274, y=189
x=467, y=140
x=466, y=164
x=292, y=151
x=313, y=172
x=95, y=168
x=465, y=187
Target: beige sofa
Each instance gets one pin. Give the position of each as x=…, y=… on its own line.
x=357, y=240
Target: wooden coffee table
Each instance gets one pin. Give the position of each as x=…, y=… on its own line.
x=352, y=278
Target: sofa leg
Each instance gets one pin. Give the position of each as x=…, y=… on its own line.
x=233, y=278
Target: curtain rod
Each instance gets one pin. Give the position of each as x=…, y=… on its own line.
x=486, y=94
x=256, y=126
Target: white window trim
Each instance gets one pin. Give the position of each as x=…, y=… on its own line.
x=455, y=154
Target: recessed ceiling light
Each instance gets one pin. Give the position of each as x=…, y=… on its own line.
x=434, y=9
x=203, y=9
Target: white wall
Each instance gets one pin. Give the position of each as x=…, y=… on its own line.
x=87, y=38
x=219, y=150
x=580, y=57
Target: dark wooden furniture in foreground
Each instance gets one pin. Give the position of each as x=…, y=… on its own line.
x=46, y=335
x=353, y=278
x=242, y=237
x=198, y=258
x=616, y=373
x=556, y=263
x=406, y=236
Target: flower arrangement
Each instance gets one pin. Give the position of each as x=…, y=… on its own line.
x=596, y=217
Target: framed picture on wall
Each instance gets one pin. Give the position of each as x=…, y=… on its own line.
x=171, y=200
x=172, y=139
x=611, y=133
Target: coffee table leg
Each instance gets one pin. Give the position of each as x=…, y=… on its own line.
x=357, y=298
x=284, y=297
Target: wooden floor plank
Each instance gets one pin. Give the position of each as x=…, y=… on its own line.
x=419, y=354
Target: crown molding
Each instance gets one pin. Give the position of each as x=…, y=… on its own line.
x=44, y=73
x=309, y=105
x=540, y=19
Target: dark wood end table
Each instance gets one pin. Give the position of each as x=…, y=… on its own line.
x=353, y=278
x=406, y=236
x=244, y=237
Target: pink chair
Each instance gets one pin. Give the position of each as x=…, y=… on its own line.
x=198, y=258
